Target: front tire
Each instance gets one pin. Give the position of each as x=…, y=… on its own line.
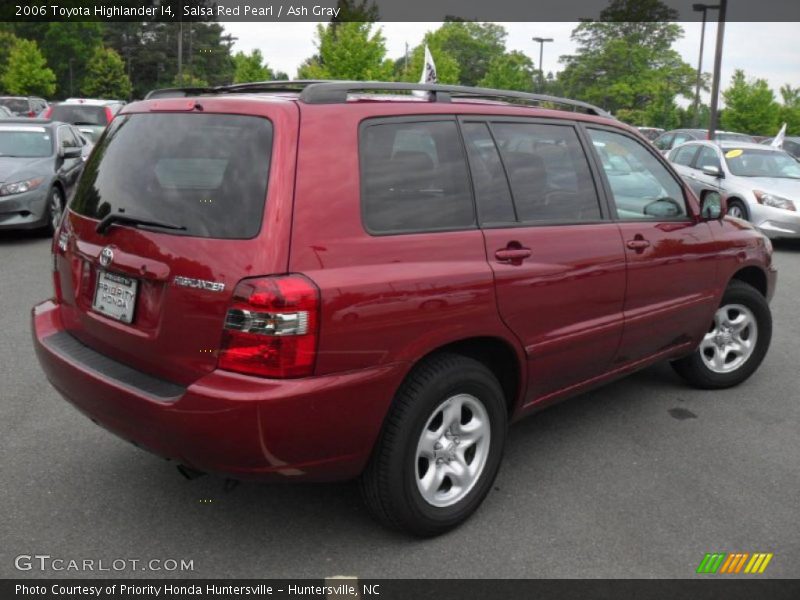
x=735, y=344
x=440, y=447
x=736, y=208
x=54, y=210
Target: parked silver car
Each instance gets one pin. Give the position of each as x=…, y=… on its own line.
x=762, y=184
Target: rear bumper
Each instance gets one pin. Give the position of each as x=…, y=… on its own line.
x=317, y=428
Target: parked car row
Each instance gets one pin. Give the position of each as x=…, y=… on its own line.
x=669, y=140
x=761, y=183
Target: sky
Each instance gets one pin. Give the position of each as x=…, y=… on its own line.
x=765, y=50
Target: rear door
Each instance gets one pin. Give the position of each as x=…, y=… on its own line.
x=671, y=274
x=558, y=262
x=154, y=297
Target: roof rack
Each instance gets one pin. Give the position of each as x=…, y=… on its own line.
x=320, y=91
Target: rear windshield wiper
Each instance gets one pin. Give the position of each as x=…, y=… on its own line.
x=109, y=220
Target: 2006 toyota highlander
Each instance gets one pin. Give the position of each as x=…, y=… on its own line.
x=331, y=280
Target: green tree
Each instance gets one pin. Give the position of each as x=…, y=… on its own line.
x=189, y=80
x=7, y=42
x=105, y=76
x=510, y=71
x=447, y=68
x=68, y=48
x=472, y=45
x=789, y=111
x=355, y=50
x=250, y=67
x=625, y=61
x=26, y=72
x=750, y=106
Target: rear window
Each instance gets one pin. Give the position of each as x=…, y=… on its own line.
x=15, y=105
x=80, y=114
x=414, y=178
x=205, y=172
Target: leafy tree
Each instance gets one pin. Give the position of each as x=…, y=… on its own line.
x=7, y=42
x=447, y=68
x=189, y=80
x=472, y=45
x=68, y=47
x=511, y=71
x=348, y=51
x=26, y=72
x=750, y=106
x=105, y=76
x=626, y=61
x=251, y=67
x=789, y=111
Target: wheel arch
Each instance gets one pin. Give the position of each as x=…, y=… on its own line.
x=753, y=276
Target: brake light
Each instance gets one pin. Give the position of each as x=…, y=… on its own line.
x=109, y=115
x=48, y=112
x=271, y=327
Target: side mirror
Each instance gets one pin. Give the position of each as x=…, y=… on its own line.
x=713, y=171
x=70, y=152
x=713, y=206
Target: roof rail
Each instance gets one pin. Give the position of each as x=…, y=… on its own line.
x=334, y=92
x=321, y=91
x=281, y=85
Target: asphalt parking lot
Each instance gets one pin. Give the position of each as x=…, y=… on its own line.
x=637, y=479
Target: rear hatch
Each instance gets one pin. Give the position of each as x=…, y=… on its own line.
x=178, y=202
x=90, y=119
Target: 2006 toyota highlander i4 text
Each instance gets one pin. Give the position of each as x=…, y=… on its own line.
x=325, y=281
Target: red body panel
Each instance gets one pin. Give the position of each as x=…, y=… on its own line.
x=583, y=309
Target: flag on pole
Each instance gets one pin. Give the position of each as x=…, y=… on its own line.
x=428, y=69
x=778, y=141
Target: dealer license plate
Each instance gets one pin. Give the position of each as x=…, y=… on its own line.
x=115, y=296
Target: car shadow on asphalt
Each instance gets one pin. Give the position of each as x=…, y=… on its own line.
x=22, y=236
x=786, y=244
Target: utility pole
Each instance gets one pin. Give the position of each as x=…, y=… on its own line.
x=541, y=41
x=712, y=126
x=704, y=8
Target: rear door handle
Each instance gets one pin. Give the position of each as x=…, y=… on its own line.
x=637, y=244
x=512, y=254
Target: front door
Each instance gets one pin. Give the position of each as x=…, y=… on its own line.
x=671, y=275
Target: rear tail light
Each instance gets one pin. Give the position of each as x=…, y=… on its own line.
x=271, y=327
x=48, y=112
x=109, y=115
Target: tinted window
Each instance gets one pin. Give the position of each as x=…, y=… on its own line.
x=707, y=158
x=683, y=155
x=642, y=187
x=207, y=173
x=414, y=177
x=80, y=114
x=549, y=173
x=488, y=177
x=25, y=142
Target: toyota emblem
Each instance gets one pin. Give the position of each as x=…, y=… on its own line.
x=106, y=256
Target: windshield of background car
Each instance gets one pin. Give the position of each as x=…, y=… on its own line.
x=761, y=163
x=205, y=172
x=80, y=114
x=25, y=142
x=15, y=105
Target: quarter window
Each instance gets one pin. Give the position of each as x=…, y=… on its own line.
x=548, y=171
x=641, y=186
x=414, y=178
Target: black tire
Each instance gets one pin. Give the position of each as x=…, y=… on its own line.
x=55, y=195
x=389, y=483
x=740, y=206
x=694, y=369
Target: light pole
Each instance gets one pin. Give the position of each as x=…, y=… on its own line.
x=712, y=126
x=541, y=41
x=700, y=8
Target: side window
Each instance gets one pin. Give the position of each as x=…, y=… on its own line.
x=488, y=176
x=548, y=171
x=708, y=158
x=683, y=155
x=680, y=138
x=414, y=177
x=642, y=187
x=664, y=142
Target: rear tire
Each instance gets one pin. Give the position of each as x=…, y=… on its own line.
x=440, y=447
x=736, y=343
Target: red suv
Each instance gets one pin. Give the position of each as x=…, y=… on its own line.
x=330, y=280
